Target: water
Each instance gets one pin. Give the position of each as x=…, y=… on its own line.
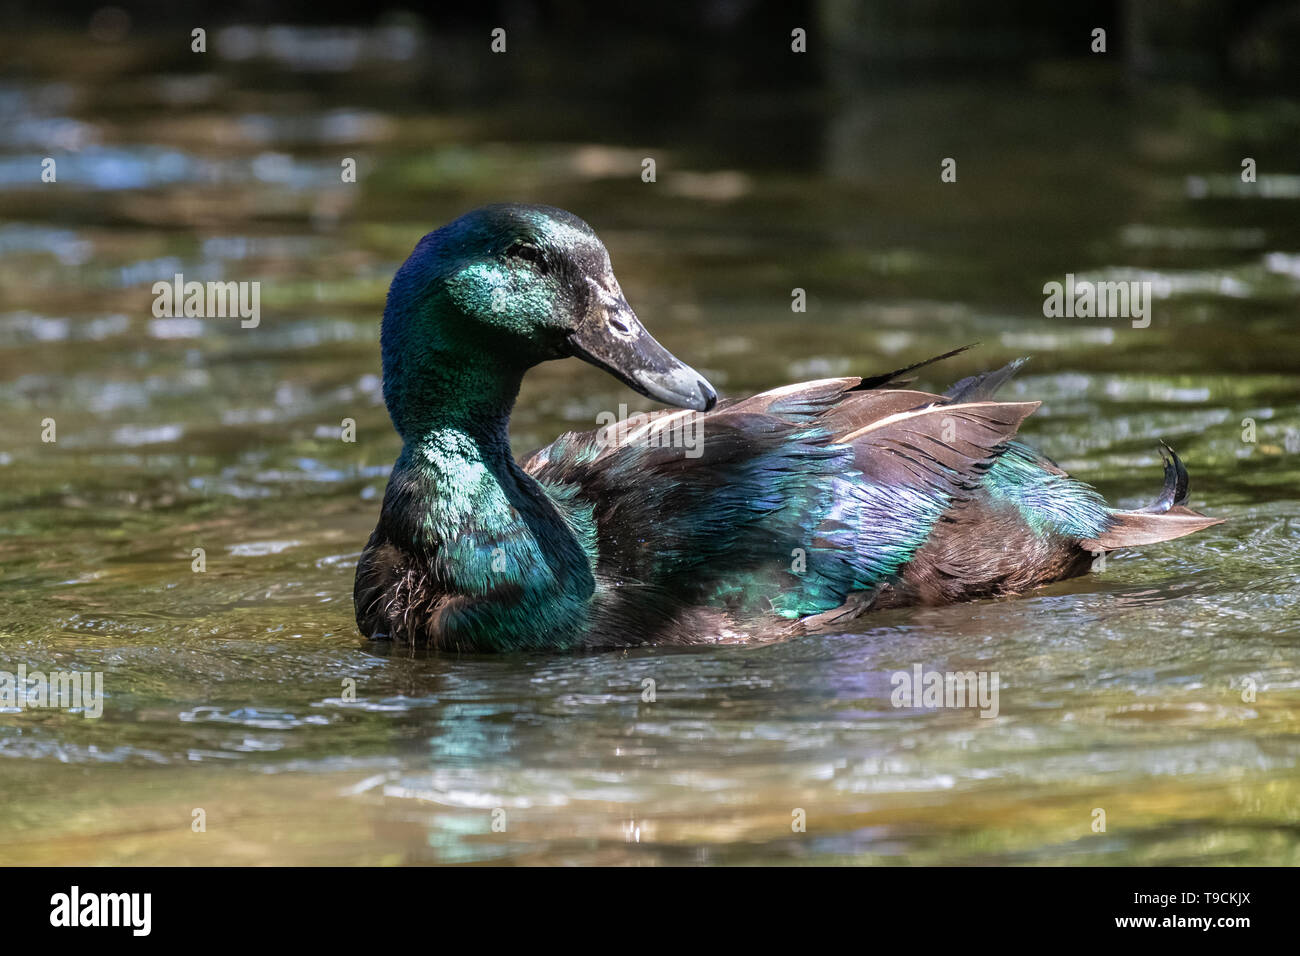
x=245, y=692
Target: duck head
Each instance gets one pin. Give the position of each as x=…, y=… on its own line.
x=508, y=286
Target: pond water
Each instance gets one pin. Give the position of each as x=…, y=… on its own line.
x=1163, y=690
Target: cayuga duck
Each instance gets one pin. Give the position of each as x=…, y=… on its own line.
x=797, y=509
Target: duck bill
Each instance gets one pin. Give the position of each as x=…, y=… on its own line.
x=613, y=338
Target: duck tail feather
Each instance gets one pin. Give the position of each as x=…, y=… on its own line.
x=1175, y=487
x=1166, y=518
x=1133, y=528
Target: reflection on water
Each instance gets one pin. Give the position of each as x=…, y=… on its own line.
x=1162, y=690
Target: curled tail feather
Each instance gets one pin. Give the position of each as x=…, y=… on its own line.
x=1166, y=518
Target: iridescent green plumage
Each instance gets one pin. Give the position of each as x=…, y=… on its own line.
x=796, y=508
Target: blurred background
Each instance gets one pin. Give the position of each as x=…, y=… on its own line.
x=775, y=170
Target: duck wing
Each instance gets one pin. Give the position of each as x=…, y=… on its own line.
x=816, y=501
x=785, y=502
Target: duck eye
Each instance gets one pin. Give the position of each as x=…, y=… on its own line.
x=526, y=250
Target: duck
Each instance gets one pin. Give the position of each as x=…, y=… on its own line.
x=742, y=520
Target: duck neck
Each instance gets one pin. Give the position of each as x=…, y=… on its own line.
x=457, y=497
x=443, y=393
x=454, y=422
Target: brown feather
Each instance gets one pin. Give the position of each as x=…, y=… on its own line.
x=1136, y=527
